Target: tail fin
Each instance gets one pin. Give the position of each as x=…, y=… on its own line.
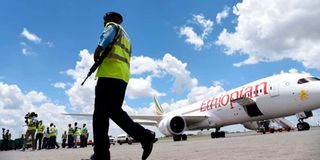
x=158, y=108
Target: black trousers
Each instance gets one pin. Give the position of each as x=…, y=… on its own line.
x=70, y=141
x=110, y=94
x=39, y=137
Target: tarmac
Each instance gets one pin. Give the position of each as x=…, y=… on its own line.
x=292, y=145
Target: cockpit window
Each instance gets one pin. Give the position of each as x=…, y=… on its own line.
x=306, y=80
x=302, y=80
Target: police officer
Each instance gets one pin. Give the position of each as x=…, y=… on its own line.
x=113, y=76
x=70, y=136
x=31, y=122
x=39, y=135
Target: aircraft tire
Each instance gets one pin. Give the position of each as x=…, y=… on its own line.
x=306, y=126
x=300, y=126
x=184, y=137
x=213, y=135
x=176, y=137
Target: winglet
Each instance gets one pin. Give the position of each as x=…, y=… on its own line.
x=158, y=108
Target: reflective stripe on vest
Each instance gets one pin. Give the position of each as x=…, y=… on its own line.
x=117, y=63
x=70, y=131
x=40, y=128
x=31, y=125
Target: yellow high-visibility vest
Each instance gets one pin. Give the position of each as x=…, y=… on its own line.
x=117, y=63
x=70, y=131
x=31, y=125
x=40, y=128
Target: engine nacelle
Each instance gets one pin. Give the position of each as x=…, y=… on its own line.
x=172, y=125
x=253, y=125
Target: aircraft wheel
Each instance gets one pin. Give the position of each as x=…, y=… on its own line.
x=176, y=137
x=184, y=137
x=306, y=126
x=222, y=134
x=300, y=127
x=213, y=135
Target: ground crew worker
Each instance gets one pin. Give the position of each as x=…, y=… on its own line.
x=70, y=136
x=83, y=135
x=46, y=139
x=55, y=133
x=75, y=134
x=113, y=75
x=64, y=139
x=53, y=137
x=39, y=135
x=31, y=122
x=6, y=137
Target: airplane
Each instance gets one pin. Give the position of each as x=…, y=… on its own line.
x=251, y=105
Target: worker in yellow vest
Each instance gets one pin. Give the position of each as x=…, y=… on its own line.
x=46, y=139
x=70, y=136
x=39, y=135
x=113, y=76
x=75, y=134
x=83, y=136
x=31, y=122
x=64, y=139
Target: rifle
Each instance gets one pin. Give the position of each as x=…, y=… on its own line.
x=102, y=56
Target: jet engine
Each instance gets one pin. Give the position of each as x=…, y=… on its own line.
x=172, y=125
x=253, y=125
x=257, y=125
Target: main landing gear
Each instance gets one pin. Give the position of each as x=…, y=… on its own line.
x=180, y=137
x=301, y=126
x=218, y=134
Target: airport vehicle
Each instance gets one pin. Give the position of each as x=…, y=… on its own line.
x=252, y=104
x=112, y=140
x=124, y=138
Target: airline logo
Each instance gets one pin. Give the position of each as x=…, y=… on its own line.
x=303, y=95
x=225, y=99
x=159, y=110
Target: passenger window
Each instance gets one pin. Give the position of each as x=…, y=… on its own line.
x=302, y=80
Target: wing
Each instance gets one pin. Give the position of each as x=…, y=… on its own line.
x=78, y=114
x=147, y=119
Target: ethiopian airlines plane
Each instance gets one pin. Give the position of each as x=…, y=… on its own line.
x=251, y=105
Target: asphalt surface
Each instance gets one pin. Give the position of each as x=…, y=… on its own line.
x=240, y=146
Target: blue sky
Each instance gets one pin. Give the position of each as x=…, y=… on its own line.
x=183, y=51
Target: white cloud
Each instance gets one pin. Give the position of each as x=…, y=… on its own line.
x=59, y=85
x=182, y=77
x=142, y=64
x=197, y=39
x=169, y=65
x=27, y=49
x=223, y=14
x=14, y=104
x=139, y=87
x=273, y=30
x=30, y=36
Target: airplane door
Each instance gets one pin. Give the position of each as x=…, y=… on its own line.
x=274, y=89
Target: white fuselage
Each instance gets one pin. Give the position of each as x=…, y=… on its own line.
x=275, y=96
